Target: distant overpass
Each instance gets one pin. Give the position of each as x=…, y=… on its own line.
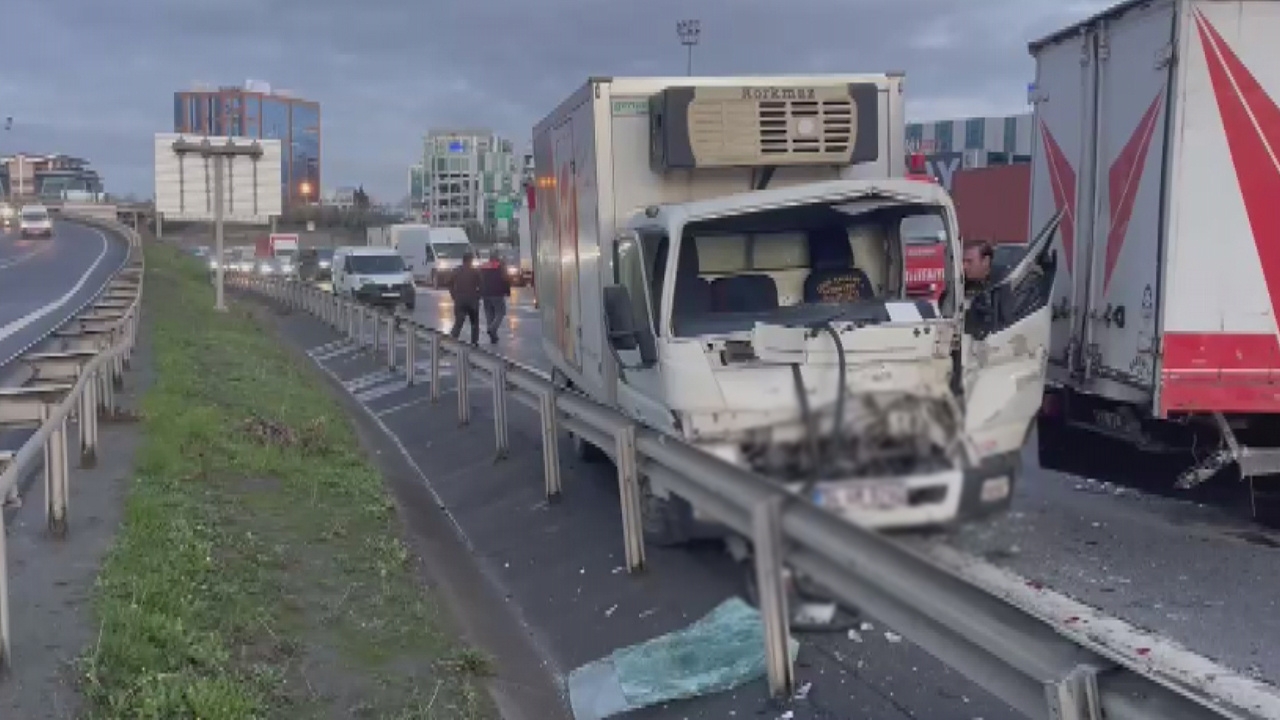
x=135, y=215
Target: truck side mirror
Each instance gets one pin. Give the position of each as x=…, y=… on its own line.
x=621, y=328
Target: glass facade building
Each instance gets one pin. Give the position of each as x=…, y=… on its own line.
x=237, y=112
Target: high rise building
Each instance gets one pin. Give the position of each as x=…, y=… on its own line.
x=470, y=176
x=256, y=111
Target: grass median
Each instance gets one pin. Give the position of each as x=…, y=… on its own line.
x=259, y=571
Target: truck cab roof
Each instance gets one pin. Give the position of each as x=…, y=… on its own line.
x=908, y=191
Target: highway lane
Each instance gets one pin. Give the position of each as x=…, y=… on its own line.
x=1197, y=574
x=45, y=281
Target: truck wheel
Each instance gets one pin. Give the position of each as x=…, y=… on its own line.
x=667, y=522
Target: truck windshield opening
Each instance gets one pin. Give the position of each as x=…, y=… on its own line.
x=796, y=265
x=376, y=264
x=450, y=251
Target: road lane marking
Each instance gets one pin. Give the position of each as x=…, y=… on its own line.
x=35, y=315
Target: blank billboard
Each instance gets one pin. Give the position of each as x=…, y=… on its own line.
x=251, y=189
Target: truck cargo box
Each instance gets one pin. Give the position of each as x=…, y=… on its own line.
x=1158, y=134
x=617, y=145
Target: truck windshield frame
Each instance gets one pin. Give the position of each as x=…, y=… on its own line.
x=786, y=266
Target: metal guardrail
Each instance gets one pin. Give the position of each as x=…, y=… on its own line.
x=74, y=383
x=1067, y=662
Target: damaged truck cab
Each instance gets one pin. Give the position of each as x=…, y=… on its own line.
x=774, y=327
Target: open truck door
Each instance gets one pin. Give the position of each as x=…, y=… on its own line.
x=1004, y=350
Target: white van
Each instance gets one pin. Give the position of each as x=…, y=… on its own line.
x=431, y=253
x=375, y=275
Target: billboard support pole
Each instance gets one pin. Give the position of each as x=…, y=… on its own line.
x=219, y=302
x=219, y=154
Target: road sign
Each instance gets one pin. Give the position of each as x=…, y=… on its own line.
x=502, y=210
x=186, y=181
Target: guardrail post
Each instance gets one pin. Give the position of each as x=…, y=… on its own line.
x=500, y=408
x=1075, y=697
x=349, y=319
x=550, y=442
x=629, y=494
x=6, y=648
x=89, y=423
x=106, y=393
x=463, y=359
x=766, y=537
x=410, y=353
x=55, y=478
x=435, y=367
x=391, y=342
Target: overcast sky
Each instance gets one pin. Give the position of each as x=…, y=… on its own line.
x=96, y=78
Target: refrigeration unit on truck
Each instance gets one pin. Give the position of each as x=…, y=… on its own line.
x=723, y=260
x=1158, y=136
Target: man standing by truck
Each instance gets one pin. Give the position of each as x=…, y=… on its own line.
x=465, y=291
x=495, y=286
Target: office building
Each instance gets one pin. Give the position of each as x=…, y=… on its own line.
x=46, y=176
x=982, y=140
x=417, y=189
x=470, y=177
x=256, y=111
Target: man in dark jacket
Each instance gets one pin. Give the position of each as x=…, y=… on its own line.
x=494, y=289
x=465, y=291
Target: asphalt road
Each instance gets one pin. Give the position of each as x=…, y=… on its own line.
x=1194, y=574
x=1197, y=574
x=45, y=281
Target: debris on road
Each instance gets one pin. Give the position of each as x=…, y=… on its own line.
x=719, y=652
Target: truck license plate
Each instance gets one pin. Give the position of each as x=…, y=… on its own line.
x=864, y=495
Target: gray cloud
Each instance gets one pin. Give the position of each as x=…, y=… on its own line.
x=96, y=78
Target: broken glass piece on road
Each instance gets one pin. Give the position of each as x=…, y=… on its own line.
x=721, y=651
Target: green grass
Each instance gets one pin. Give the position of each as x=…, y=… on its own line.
x=259, y=571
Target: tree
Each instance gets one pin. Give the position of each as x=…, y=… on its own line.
x=361, y=199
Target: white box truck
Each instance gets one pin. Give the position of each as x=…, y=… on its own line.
x=432, y=254
x=1158, y=137
x=723, y=260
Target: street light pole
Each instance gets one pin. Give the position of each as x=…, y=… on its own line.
x=689, y=31
x=219, y=154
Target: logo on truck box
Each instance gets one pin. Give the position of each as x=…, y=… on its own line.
x=779, y=93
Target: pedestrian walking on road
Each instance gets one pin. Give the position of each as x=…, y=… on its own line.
x=465, y=291
x=495, y=286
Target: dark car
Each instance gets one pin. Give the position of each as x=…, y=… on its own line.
x=315, y=265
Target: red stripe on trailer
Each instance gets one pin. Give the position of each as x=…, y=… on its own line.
x=1220, y=372
x=1123, y=180
x=1062, y=181
x=1251, y=122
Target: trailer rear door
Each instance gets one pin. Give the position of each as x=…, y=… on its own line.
x=1133, y=54
x=1061, y=180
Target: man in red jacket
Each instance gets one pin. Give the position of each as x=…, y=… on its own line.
x=495, y=286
